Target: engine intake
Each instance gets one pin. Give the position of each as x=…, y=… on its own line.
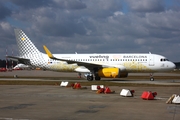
x=112, y=73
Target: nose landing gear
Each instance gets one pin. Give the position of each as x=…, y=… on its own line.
x=151, y=77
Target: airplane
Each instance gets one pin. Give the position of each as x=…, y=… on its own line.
x=21, y=66
x=95, y=66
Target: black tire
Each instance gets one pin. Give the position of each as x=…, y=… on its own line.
x=90, y=78
x=97, y=78
x=151, y=79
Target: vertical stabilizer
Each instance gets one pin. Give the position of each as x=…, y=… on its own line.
x=27, y=50
x=26, y=47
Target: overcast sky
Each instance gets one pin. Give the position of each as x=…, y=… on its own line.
x=93, y=26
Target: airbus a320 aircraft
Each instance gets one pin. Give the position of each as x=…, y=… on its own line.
x=96, y=66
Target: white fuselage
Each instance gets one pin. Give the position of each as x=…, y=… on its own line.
x=128, y=62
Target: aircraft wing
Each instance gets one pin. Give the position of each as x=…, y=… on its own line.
x=18, y=59
x=87, y=65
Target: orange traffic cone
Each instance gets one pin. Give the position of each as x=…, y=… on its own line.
x=148, y=95
x=78, y=86
x=98, y=87
x=107, y=90
x=101, y=90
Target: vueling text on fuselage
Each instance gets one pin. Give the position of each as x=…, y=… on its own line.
x=125, y=56
x=99, y=56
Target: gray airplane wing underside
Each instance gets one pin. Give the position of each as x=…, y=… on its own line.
x=19, y=59
x=89, y=66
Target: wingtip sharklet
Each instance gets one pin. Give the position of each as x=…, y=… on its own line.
x=48, y=52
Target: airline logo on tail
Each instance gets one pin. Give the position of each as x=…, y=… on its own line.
x=23, y=39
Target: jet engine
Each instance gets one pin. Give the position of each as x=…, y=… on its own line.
x=112, y=73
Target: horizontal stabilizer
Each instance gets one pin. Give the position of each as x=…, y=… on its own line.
x=18, y=59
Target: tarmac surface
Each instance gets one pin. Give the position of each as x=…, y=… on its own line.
x=23, y=102
x=37, y=74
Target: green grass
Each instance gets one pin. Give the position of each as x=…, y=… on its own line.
x=76, y=78
x=57, y=81
x=105, y=83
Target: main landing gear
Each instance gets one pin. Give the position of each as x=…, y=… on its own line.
x=90, y=77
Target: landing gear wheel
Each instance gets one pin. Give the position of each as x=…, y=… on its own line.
x=97, y=78
x=151, y=79
x=90, y=78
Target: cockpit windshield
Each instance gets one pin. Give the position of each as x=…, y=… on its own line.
x=164, y=59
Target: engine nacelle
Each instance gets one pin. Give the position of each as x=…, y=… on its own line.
x=112, y=73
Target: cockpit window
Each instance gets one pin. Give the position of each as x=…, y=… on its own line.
x=164, y=59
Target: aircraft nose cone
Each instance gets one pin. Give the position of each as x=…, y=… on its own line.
x=172, y=65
